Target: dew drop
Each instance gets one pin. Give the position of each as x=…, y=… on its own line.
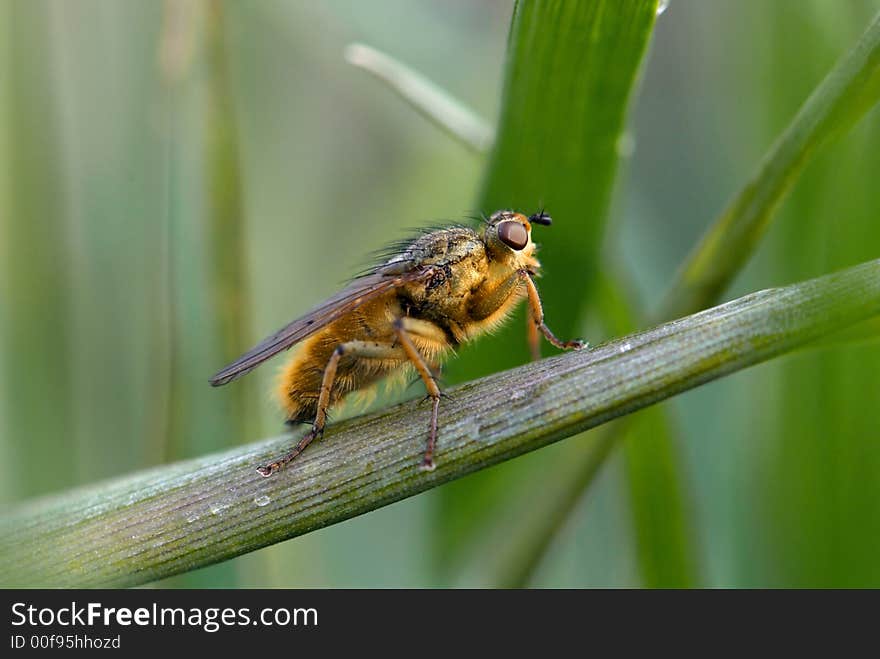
x=262, y=501
x=661, y=6
x=626, y=347
x=216, y=510
x=472, y=429
x=468, y=428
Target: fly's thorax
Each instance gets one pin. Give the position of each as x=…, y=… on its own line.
x=462, y=267
x=454, y=263
x=445, y=248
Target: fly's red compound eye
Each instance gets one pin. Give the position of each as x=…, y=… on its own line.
x=513, y=234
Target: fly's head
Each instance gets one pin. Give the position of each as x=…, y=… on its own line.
x=508, y=239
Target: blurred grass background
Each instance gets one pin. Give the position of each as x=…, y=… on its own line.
x=179, y=179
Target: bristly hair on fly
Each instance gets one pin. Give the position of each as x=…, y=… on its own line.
x=478, y=217
x=541, y=217
x=381, y=256
x=394, y=248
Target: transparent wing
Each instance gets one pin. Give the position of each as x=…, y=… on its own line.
x=358, y=292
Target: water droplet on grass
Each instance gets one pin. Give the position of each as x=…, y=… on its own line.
x=216, y=510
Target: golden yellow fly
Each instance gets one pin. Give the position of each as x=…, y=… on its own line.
x=439, y=290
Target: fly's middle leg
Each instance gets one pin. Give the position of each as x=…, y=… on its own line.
x=363, y=349
x=403, y=327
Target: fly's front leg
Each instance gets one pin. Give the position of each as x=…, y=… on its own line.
x=403, y=327
x=490, y=303
x=536, y=313
x=495, y=298
x=365, y=349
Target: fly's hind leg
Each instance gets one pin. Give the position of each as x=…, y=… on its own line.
x=365, y=349
x=403, y=327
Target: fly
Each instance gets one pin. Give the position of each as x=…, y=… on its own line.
x=435, y=292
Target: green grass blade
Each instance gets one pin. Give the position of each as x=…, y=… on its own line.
x=520, y=554
x=206, y=242
x=117, y=300
x=665, y=555
x=661, y=522
x=437, y=105
x=846, y=94
x=34, y=264
x=570, y=72
x=195, y=513
x=815, y=453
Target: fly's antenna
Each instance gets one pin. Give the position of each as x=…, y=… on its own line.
x=541, y=217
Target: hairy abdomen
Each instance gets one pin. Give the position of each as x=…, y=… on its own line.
x=299, y=384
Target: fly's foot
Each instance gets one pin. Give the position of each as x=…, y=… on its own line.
x=442, y=395
x=268, y=469
x=428, y=460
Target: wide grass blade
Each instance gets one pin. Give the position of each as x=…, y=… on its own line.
x=206, y=243
x=570, y=72
x=35, y=319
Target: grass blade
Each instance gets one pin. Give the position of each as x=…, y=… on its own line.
x=438, y=106
x=206, y=241
x=570, y=72
x=846, y=94
x=34, y=265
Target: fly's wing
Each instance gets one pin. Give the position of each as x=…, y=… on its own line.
x=358, y=292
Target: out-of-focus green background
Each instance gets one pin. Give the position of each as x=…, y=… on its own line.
x=179, y=179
